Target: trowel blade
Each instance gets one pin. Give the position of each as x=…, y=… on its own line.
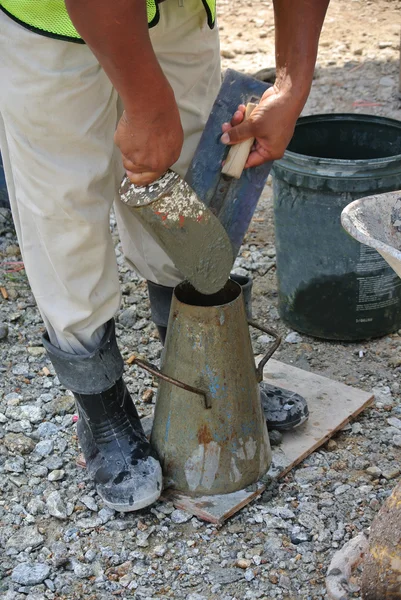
x=192, y=237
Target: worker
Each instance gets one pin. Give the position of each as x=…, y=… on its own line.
x=90, y=89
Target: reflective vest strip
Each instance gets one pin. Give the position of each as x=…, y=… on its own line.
x=50, y=17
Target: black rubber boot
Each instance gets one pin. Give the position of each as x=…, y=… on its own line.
x=160, y=297
x=283, y=410
x=117, y=453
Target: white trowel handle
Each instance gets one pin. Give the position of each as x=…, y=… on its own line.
x=239, y=153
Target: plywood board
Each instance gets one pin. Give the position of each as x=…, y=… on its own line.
x=331, y=406
x=215, y=509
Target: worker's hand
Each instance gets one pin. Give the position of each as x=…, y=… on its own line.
x=271, y=123
x=150, y=142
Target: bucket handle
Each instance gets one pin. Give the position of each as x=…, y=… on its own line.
x=151, y=368
x=271, y=350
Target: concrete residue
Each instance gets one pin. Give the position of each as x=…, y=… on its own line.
x=185, y=228
x=202, y=466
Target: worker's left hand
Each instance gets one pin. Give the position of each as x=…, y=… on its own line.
x=272, y=125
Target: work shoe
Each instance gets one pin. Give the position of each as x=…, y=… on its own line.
x=118, y=455
x=283, y=409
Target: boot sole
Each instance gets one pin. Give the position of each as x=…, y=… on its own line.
x=287, y=426
x=139, y=505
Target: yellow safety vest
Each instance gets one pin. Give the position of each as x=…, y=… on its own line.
x=50, y=17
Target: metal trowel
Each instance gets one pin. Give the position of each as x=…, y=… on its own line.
x=231, y=195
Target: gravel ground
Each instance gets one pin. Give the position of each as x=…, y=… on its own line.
x=59, y=542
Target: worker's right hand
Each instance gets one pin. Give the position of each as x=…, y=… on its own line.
x=150, y=141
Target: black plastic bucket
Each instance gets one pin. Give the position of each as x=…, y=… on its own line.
x=4, y=202
x=331, y=286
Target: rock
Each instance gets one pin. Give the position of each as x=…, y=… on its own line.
x=387, y=81
x=141, y=324
x=397, y=441
x=15, y=464
x=21, y=369
x=28, y=412
x=374, y=471
x=89, y=503
x=227, y=54
x=62, y=406
x=283, y=512
x=81, y=570
x=275, y=437
x=13, y=250
x=391, y=473
x=299, y=535
x=249, y=575
x=356, y=428
x=293, y=338
x=128, y=318
x=311, y=522
x=180, y=516
x=38, y=471
x=241, y=271
x=90, y=555
x=243, y=563
x=3, y=331
x=273, y=578
x=309, y=475
x=224, y=576
x=383, y=45
x=36, y=506
x=264, y=340
x=105, y=514
x=44, y=448
x=89, y=523
x=123, y=568
x=60, y=554
x=56, y=506
x=331, y=445
x=341, y=489
x=36, y=351
x=47, y=430
x=50, y=585
x=31, y=412
x=30, y=573
x=147, y=396
x=18, y=443
x=394, y=422
x=53, y=462
x=26, y=537
x=142, y=540
x=159, y=550
x=284, y=582
x=56, y=475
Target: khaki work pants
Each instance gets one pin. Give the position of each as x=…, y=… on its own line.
x=58, y=114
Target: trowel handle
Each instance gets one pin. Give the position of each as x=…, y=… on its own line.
x=151, y=368
x=271, y=350
x=238, y=154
